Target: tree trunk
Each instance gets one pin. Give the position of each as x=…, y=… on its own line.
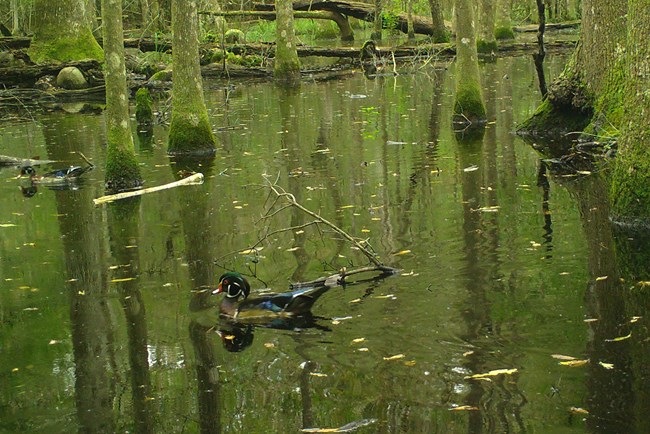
x=122, y=169
x=630, y=190
x=487, y=42
x=469, y=100
x=190, y=132
x=287, y=66
x=502, y=24
x=377, y=22
x=410, y=31
x=62, y=33
x=439, y=31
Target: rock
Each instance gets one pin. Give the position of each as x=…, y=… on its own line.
x=71, y=78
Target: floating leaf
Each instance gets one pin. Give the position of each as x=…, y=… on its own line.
x=562, y=357
x=356, y=300
x=346, y=206
x=606, y=365
x=468, y=353
x=644, y=283
x=386, y=296
x=358, y=340
x=317, y=374
x=410, y=363
x=471, y=168
x=489, y=209
x=402, y=252
x=598, y=279
x=578, y=410
x=54, y=342
x=464, y=408
x=269, y=345
x=395, y=357
x=365, y=230
x=363, y=350
x=635, y=319
x=574, y=363
x=590, y=320
x=620, y=338
x=124, y=279
x=292, y=249
x=493, y=373
x=7, y=225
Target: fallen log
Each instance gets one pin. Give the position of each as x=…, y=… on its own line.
x=195, y=179
x=30, y=74
x=6, y=160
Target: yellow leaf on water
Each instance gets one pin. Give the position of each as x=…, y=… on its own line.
x=598, y=279
x=494, y=373
x=317, y=374
x=620, y=338
x=7, y=225
x=574, y=363
x=590, y=320
x=365, y=230
x=606, y=365
x=635, y=319
x=347, y=206
x=468, y=353
x=356, y=300
x=358, y=340
x=363, y=350
x=410, y=363
x=395, y=357
x=463, y=408
x=644, y=283
x=124, y=279
x=292, y=249
x=402, y=252
x=578, y=410
x=269, y=345
x=562, y=357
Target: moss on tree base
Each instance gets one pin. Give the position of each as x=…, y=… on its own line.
x=191, y=135
x=143, y=107
x=630, y=180
x=469, y=103
x=65, y=49
x=122, y=170
x=486, y=47
x=503, y=33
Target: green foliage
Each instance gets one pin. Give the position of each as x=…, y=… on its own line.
x=389, y=20
x=262, y=31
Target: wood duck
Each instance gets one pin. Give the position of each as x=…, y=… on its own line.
x=237, y=305
x=60, y=176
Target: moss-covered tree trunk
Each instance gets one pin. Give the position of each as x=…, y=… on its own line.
x=190, y=132
x=287, y=65
x=468, y=103
x=62, y=32
x=502, y=22
x=122, y=170
x=440, y=33
x=486, y=42
x=590, y=88
x=630, y=191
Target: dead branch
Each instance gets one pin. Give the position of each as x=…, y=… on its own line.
x=339, y=278
x=280, y=192
x=194, y=179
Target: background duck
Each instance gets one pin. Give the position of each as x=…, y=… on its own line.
x=237, y=305
x=59, y=176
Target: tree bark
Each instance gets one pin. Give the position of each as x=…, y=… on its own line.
x=630, y=192
x=469, y=100
x=62, y=33
x=190, y=132
x=439, y=32
x=486, y=40
x=122, y=169
x=502, y=24
x=286, y=68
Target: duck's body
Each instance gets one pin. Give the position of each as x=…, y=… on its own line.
x=60, y=176
x=237, y=305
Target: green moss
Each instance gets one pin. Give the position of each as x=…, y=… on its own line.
x=469, y=102
x=122, y=169
x=66, y=49
x=143, y=106
x=165, y=75
x=630, y=184
x=551, y=120
x=486, y=47
x=440, y=37
x=190, y=135
x=609, y=107
x=501, y=33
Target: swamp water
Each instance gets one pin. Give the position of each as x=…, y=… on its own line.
x=503, y=268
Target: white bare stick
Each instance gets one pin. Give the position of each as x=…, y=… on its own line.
x=194, y=179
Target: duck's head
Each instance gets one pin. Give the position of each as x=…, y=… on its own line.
x=28, y=171
x=234, y=285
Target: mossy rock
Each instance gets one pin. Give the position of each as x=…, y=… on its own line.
x=71, y=78
x=164, y=75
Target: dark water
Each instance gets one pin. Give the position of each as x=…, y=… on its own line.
x=101, y=329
